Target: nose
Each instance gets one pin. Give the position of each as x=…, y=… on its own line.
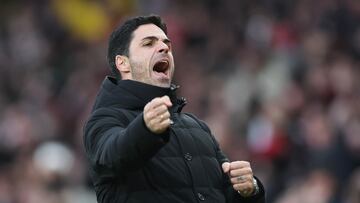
x=163, y=47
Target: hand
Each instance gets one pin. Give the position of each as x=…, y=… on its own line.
x=157, y=115
x=241, y=176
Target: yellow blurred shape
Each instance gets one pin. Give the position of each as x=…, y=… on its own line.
x=86, y=20
x=123, y=7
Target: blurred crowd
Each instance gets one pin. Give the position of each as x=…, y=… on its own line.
x=277, y=81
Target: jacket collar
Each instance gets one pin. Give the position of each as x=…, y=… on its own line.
x=133, y=95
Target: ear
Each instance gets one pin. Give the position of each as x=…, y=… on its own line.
x=123, y=65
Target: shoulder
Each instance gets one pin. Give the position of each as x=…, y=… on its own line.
x=111, y=116
x=192, y=118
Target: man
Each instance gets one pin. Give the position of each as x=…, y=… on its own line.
x=141, y=147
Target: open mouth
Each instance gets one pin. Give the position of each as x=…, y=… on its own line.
x=161, y=66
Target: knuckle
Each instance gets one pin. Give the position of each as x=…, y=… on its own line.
x=160, y=109
x=153, y=102
x=234, y=163
x=249, y=185
x=146, y=110
x=149, y=114
x=152, y=123
x=163, y=107
x=157, y=99
x=154, y=115
x=242, y=162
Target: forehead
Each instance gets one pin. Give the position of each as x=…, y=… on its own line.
x=148, y=30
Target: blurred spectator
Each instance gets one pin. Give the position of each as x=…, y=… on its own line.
x=277, y=81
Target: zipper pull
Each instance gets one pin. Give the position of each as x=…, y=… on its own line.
x=174, y=87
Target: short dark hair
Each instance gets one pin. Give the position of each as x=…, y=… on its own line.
x=121, y=37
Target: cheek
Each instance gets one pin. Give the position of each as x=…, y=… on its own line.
x=139, y=69
x=172, y=60
x=142, y=59
x=173, y=65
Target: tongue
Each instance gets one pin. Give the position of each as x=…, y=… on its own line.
x=160, y=75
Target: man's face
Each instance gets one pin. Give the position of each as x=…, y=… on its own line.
x=150, y=56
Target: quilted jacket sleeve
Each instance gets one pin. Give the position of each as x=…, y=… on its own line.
x=117, y=145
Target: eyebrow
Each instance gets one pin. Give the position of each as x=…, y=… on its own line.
x=166, y=40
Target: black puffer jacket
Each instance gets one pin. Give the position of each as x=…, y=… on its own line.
x=131, y=164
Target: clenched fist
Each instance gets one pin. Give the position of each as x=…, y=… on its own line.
x=241, y=176
x=157, y=115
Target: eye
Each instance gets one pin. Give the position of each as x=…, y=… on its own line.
x=148, y=43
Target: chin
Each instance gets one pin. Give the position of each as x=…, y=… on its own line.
x=162, y=84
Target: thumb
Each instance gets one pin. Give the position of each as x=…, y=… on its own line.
x=167, y=101
x=226, y=167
